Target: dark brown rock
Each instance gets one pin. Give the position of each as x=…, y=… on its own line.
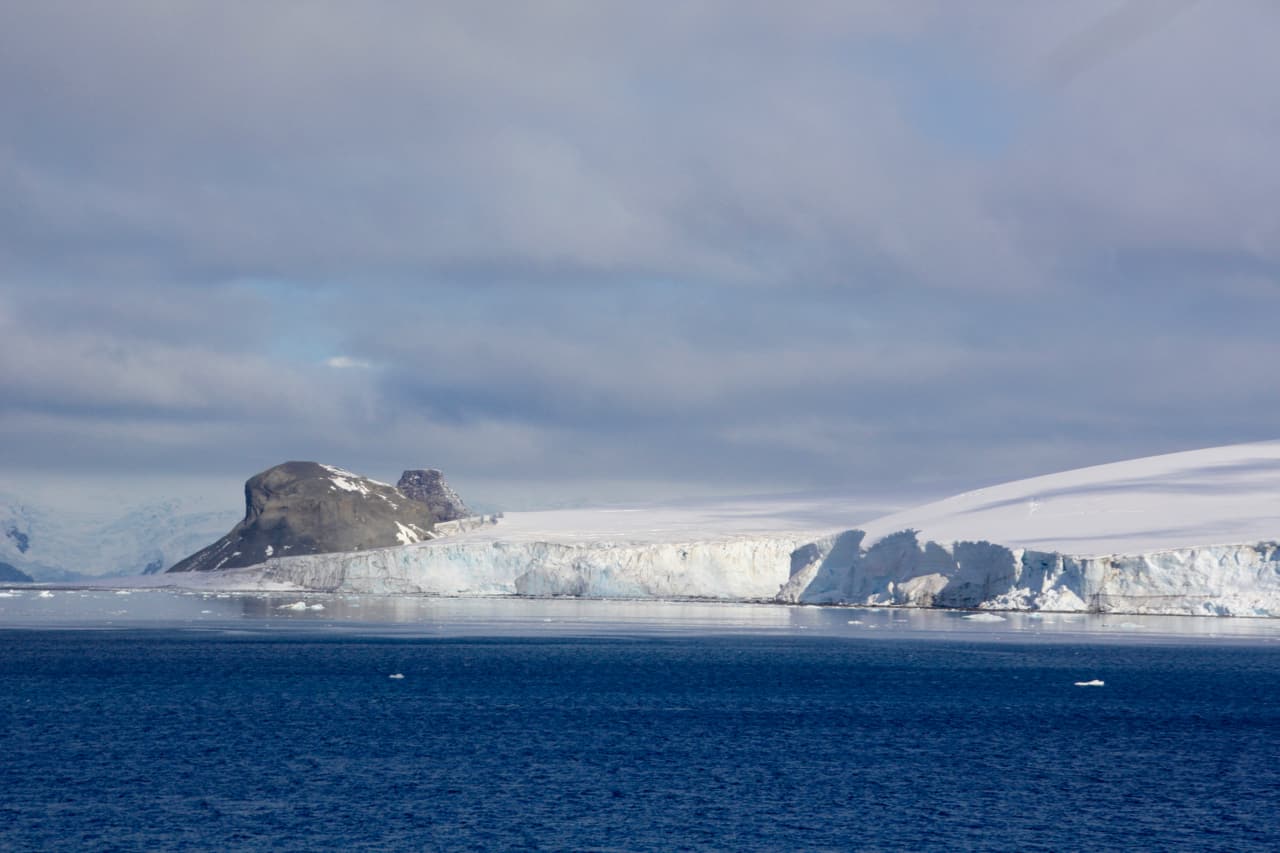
x=309, y=508
x=427, y=485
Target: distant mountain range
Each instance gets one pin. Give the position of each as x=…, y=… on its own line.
x=54, y=545
x=8, y=574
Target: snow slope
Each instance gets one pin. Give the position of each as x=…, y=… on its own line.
x=1200, y=497
x=1184, y=533
x=57, y=545
x=1190, y=532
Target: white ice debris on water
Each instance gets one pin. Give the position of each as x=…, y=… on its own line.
x=1094, y=683
x=44, y=593
x=300, y=606
x=1187, y=533
x=984, y=617
x=396, y=675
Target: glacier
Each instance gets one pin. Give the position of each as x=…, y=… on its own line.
x=1191, y=533
x=59, y=545
x=1229, y=580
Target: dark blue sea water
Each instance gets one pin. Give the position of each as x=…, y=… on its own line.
x=153, y=739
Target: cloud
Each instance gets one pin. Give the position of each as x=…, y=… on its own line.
x=735, y=246
x=343, y=362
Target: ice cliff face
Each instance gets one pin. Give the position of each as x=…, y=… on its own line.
x=899, y=570
x=734, y=569
x=1218, y=580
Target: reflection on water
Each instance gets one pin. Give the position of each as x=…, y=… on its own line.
x=405, y=615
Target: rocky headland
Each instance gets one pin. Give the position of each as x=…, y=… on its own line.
x=301, y=508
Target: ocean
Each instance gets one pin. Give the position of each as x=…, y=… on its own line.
x=243, y=737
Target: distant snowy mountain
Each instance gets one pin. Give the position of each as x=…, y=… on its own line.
x=1189, y=532
x=54, y=545
x=9, y=574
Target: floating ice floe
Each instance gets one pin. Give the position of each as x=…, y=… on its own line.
x=297, y=605
x=1097, y=682
x=983, y=617
x=44, y=593
x=396, y=675
x=315, y=607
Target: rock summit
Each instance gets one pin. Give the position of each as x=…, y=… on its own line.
x=309, y=508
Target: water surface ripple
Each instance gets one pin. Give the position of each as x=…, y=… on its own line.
x=133, y=740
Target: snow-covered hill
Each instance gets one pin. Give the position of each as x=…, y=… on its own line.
x=1190, y=532
x=1221, y=495
x=54, y=545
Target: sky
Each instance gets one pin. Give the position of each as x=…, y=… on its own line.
x=577, y=252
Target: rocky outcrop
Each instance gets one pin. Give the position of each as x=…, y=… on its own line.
x=301, y=508
x=427, y=485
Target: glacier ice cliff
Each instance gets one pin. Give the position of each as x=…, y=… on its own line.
x=900, y=569
x=732, y=569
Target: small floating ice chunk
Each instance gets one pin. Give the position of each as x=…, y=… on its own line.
x=1097, y=682
x=316, y=607
x=1130, y=626
x=396, y=675
x=44, y=593
x=855, y=621
x=297, y=605
x=269, y=550
x=206, y=611
x=983, y=617
x=122, y=592
x=8, y=595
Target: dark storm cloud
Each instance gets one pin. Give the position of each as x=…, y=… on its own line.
x=733, y=245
